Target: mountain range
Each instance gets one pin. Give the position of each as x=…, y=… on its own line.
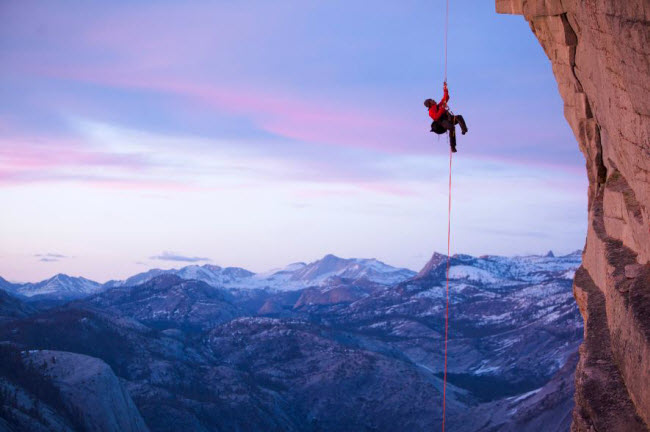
x=60, y=286
x=292, y=277
x=337, y=344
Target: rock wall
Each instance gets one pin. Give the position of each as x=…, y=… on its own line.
x=600, y=52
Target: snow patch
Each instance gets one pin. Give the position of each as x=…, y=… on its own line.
x=471, y=273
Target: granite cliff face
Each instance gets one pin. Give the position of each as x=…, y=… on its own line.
x=600, y=52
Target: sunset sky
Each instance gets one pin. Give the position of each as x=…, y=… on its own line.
x=253, y=133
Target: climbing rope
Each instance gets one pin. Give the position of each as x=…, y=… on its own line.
x=446, y=33
x=444, y=381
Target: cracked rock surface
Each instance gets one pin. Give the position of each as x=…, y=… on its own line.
x=600, y=53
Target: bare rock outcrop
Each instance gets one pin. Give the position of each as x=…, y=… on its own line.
x=89, y=388
x=600, y=53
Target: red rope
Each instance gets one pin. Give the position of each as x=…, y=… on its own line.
x=444, y=381
x=446, y=33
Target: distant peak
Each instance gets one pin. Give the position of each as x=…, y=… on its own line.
x=550, y=254
x=436, y=260
x=330, y=259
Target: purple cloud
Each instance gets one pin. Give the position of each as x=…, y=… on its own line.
x=173, y=256
x=50, y=257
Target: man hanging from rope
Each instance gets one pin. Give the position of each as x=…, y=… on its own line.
x=443, y=120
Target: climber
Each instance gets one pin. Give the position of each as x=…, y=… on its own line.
x=443, y=120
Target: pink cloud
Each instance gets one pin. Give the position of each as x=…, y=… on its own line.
x=8, y=179
x=38, y=159
x=140, y=51
x=277, y=112
x=37, y=153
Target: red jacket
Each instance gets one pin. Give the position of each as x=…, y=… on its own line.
x=436, y=111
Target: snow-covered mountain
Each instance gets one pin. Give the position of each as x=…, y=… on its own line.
x=371, y=353
x=60, y=286
x=293, y=277
x=210, y=274
x=373, y=270
x=327, y=271
x=323, y=271
x=290, y=278
x=504, y=270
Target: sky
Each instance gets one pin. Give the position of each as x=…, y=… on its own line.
x=142, y=134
